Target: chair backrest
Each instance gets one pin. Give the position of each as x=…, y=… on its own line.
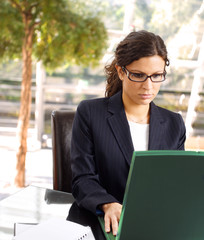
x=61, y=123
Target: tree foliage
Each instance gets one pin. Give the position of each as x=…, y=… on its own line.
x=11, y=31
x=55, y=32
x=165, y=17
x=65, y=31
x=114, y=14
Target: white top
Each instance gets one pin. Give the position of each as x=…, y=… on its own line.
x=140, y=135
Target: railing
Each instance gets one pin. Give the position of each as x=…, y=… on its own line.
x=178, y=100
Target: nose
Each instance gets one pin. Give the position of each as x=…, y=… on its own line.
x=148, y=84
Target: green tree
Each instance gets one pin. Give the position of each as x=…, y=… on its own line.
x=114, y=14
x=55, y=32
x=168, y=19
x=164, y=17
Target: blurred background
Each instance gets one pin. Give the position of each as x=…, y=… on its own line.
x=181, y=25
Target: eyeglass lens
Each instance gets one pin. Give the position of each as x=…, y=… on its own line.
x=142, y=77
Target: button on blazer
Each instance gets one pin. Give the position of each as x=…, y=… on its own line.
x=102, y=148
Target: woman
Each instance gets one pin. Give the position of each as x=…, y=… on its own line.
x=106, y=131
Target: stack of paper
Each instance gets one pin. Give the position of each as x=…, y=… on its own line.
x=55, y=229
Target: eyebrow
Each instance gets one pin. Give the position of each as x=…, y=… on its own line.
x=138, y=71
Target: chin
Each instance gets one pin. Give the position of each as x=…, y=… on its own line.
x=145, y=102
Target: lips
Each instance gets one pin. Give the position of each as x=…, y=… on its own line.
x=146, y=96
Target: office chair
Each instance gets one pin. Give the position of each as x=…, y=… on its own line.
x=61, y=124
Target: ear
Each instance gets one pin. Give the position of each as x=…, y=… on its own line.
x=120, y=71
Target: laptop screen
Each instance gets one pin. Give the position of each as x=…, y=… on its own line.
x=164, y=197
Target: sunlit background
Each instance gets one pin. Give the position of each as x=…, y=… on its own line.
x=180, y=24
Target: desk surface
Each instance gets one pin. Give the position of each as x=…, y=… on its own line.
x=34, y=205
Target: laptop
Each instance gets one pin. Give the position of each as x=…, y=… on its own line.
x=164, y=197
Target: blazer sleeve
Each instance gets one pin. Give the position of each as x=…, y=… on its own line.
x=182, y=139
x=86, y=187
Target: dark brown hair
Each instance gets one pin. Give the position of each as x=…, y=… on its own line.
x=135, y=46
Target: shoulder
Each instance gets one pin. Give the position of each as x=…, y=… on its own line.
x=166, y=115
x=88, y=109
x=166, y=112
x=92, y=103
x=109, y=104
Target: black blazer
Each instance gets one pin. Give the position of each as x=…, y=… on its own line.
x=102, y=148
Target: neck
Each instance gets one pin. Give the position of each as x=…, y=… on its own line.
x=137, y=113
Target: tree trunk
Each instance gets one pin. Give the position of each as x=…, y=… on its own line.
x=24, y=114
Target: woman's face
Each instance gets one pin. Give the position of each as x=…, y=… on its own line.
x=141, y=93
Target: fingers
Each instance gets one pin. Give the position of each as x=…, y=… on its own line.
x=112, y=216
x=114, y=225
x=111, y=223
x=107, y=223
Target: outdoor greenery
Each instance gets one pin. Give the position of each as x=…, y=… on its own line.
x=165, y=17
x=53, y=32
x=70, y=38
x=64, y=31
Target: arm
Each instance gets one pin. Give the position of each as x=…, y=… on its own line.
x=182, y=139
x=86, y=187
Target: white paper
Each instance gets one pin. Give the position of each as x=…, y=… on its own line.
x=56, y=229
x=21, y=227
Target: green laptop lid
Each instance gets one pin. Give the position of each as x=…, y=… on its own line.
x=164, y=197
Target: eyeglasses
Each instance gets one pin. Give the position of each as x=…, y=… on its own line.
x=142, y=77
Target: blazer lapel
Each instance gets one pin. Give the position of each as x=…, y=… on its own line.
x=120, y=127
x=156, y=130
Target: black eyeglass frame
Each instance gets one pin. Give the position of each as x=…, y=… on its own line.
x=127, y=72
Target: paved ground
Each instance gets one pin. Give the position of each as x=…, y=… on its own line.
x=38, y=166
x=195, y=143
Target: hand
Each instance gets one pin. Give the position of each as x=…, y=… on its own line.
x=112, y=213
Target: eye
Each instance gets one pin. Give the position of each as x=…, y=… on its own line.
x=138, y=75
x=158, y=75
